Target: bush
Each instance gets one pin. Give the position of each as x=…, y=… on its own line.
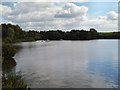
x=13, y=80
x=8, y=50
x=8, y=64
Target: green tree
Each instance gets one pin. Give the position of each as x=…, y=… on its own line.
x=94, y=34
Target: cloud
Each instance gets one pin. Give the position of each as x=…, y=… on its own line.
x=59, y=0
x=71, y=10
x=43, y=0
x=43, y=14
x=5, y=10
x=32, y=12
x=36, y=12
x=52, y=16
x=110, y=16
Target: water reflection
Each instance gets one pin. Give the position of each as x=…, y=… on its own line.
x=75, y=64
x=104, y=61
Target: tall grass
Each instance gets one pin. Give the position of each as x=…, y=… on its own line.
x=13, y=80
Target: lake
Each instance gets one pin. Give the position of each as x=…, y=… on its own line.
x=69, y=64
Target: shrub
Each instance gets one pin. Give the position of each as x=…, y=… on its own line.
x=8, y=50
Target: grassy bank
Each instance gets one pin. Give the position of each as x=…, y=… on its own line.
x=11, y=80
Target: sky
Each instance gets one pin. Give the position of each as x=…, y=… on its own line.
x=103, y=16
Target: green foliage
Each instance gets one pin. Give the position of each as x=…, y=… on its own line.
x=53, y=35
x=112, y=35
x=13, y=80
x=8, y=64
x=8, y=50
x=13, y=33
x=93, y=33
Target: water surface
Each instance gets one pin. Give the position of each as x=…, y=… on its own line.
x=69, y=64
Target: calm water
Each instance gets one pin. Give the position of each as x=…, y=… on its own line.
x=69, y=64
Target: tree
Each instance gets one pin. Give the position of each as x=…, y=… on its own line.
x=94, y=34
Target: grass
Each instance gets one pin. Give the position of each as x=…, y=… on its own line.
x=13, y=80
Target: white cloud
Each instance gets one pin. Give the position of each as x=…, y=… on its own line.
x=59, y=0
x=71, y=10
x=36, y=12
x=43, y=0
x=32, y=12
x=110, y=16
x=64, y=16
x=5, y=10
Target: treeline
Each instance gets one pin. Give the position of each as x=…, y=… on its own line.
x=112, y=35
x=69, y=35
x=13, y=33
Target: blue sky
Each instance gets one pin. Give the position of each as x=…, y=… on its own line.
x=99, y=8
x=10, y=4
x=75, y=16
